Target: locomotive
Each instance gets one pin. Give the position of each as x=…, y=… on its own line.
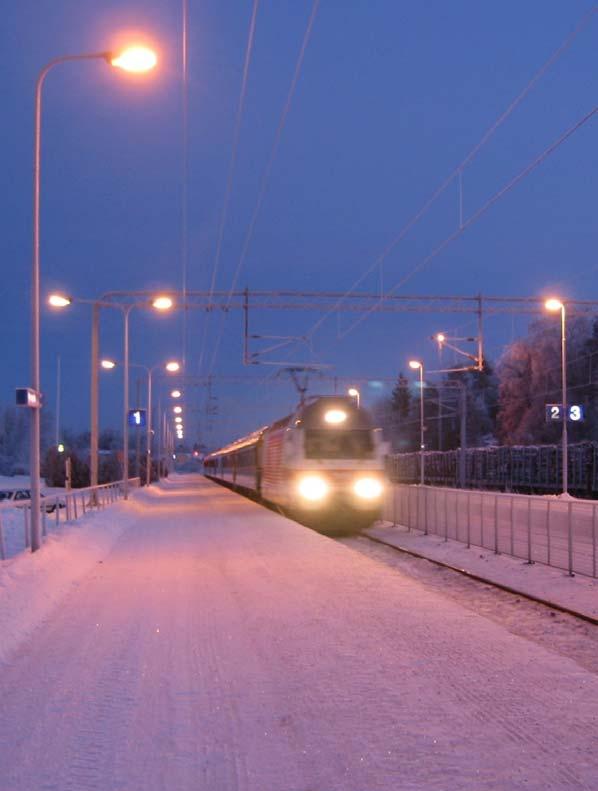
x=323, y=464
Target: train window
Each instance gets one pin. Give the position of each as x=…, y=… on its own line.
x=327, y=444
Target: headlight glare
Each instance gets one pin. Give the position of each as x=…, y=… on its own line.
x=368, y=488
x=313, y=487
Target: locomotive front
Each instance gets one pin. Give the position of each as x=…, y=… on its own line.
x=333, y=460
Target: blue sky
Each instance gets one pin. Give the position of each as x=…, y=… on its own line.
x=392, y=95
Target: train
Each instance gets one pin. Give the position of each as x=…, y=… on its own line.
x=324, y=465
x=526, y=469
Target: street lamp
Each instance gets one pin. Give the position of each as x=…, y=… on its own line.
x=555, y=305
x=129, y=60
x=59, y=300
x=418, y=365
x=354, y=393
x=170, y=367
x=175, y=394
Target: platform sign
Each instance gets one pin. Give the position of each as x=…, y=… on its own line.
x=137, y=418
x=554, y=413
x=575, y=413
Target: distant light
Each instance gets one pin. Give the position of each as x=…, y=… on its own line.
x=174, y=455
x=335, y=416
x=178, y=419
x=440, y=337
x=136, y=59
x=59, y=300
x=352, y=391
x=162, y=303
x=172, y=366
x=176, y=394
x=177, y=410
x=415, y=364
x=60, y=447
x=108, y=364
x=553, y=304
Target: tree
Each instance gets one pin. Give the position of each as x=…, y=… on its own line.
x=530, y=377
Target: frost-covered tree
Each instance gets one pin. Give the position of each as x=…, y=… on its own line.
x=530, y=377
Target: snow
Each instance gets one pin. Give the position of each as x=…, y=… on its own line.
x=220, y=646
x=578, y=593
x=33, y=584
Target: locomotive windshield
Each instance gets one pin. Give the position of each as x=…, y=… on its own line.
x=349, y=444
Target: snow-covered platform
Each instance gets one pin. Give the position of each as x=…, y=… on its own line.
x=578, y=593
x=217, y=645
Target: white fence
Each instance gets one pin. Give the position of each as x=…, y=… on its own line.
x=63, y=508
x=556, y=532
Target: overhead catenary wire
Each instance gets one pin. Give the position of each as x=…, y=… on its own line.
x=267, y=172
x=231, y=171
x=458, y=170
x=476, y=215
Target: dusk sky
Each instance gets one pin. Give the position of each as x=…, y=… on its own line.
x=392, y=95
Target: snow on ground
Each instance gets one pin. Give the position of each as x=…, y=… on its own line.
x=220, y=646
x=577, y=593
x=33, y=584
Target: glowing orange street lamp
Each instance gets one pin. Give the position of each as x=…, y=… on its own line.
x=136, y=59
x=59, y=300
x=162, y=303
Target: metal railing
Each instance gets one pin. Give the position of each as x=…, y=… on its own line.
x=65, y=507
x=559, y=532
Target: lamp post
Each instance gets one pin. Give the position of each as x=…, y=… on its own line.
x=418, y=365
x=170, y=367
x=555, y=305
x=161, y=303
x=354, y=393
x=136, y=59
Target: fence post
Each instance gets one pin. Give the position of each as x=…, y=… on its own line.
x=44, y=531
x=468, y=520
x=529, y=532
x=512, y=526
x=496, y=524
x=548, y=549
x=445, y=515
x=594, y=541
x=27, y=536
x=570, y=537
x=425, y=496
x=394, y=505
x=409, y=509
x=2, y=544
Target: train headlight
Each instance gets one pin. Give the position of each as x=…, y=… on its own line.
x=368, y=488
x=313, y=487
x=335, y=416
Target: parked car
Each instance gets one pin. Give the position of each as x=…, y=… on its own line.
x=20, y=495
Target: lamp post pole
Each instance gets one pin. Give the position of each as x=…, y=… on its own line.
x=137, y=59
x=565, y=439
x=557, y=305
x=148, y=465
x=35, y=433
x=126, y=311
x=421, y=424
